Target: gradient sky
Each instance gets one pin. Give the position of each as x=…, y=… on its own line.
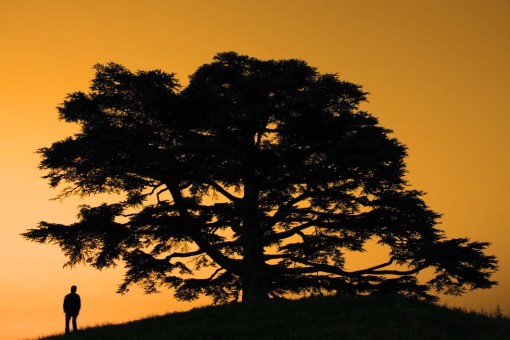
x=437, y=71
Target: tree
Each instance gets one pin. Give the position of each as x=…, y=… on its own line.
x=257, y=178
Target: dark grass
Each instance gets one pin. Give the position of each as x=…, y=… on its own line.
x=316, y=318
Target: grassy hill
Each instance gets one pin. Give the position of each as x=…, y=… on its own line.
x=317, y=318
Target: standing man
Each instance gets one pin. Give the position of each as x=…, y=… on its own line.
x=72, y=305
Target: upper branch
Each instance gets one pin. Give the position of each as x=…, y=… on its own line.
x=224, y=192
x=284, y=209
x=291, y=232
x=190, y=254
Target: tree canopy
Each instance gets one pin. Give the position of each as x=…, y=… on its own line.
x=252, y=182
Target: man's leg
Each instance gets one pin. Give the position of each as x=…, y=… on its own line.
x=75, y=328
x=68, y=318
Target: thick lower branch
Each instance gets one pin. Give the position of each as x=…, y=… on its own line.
x=312, y=267
x=196, y=234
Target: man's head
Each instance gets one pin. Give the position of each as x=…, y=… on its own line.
x=73, y=289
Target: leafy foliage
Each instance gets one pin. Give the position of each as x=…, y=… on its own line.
x=263, y=173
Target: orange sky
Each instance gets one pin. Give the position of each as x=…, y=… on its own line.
x=438, y=72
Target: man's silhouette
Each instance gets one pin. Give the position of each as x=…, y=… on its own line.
x=72, y=305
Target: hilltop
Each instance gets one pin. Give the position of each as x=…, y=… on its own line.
x=315, y=318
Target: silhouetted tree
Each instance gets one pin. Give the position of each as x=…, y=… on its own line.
x=257, y=178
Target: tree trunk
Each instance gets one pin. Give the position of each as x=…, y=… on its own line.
x=254, y=281
x=254, y=285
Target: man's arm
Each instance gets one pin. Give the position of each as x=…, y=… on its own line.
x=65, y=304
